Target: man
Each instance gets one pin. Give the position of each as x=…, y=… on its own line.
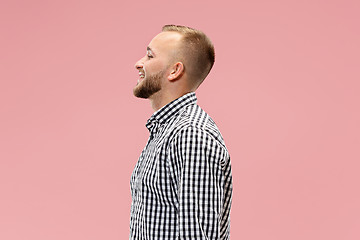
x=182, y=185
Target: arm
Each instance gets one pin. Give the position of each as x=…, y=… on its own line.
x=201, y=171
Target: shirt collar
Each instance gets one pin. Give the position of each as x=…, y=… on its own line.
x=169, y=110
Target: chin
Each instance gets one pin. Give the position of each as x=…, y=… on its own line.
x=139, y=92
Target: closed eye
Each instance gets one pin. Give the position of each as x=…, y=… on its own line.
x=149, y=52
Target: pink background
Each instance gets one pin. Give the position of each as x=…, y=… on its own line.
x=284, y=91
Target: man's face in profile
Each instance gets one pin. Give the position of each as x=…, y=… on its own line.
x=154, y=66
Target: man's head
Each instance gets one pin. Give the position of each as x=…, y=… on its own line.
x=196, y=51
x=178, y=59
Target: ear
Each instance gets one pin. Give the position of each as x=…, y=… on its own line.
x=176, y=71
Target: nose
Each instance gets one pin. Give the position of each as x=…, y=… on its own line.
x=139, y=64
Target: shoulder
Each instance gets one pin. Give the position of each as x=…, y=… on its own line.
x=194, y=122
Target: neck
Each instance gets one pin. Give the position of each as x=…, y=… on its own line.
x=157, y=100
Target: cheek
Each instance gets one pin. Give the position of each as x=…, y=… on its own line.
x=154, y=65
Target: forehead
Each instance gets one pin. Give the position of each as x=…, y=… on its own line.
x=165, y=41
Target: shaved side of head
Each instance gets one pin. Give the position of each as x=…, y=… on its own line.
x=196, y=51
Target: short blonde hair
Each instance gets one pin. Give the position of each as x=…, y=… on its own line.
x=197, y=52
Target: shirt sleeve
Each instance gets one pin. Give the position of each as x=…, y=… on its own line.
x=200, y=168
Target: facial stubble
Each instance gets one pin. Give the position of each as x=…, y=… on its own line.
x=149, y=85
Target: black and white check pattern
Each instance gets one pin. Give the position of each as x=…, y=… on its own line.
x=182, y=184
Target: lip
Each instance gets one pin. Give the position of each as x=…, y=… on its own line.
x=141, y=77
x=141, y=74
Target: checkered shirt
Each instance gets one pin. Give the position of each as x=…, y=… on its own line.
x=181, y=186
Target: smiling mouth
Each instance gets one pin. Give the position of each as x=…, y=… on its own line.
x=141, y=75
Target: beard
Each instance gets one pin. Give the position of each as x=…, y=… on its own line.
x=148, y=86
